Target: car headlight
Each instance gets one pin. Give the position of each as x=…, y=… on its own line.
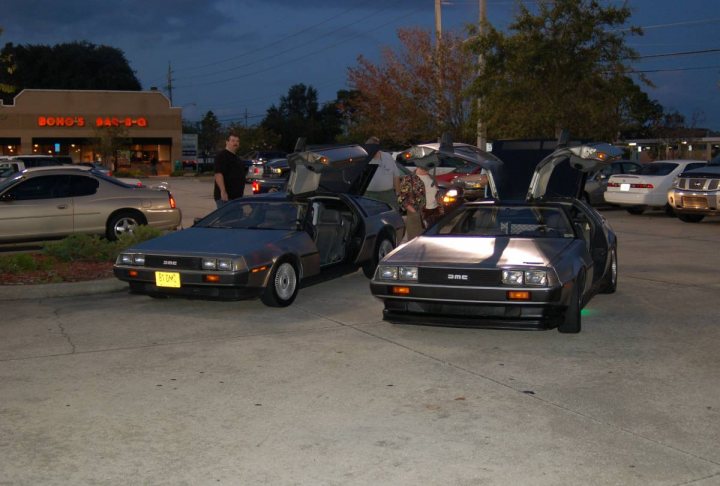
x=473, y=185
x=535, y=278
x=512, y=277
x=387, y=272
x=217, y=264
x=408, y=273
x=130, y=259
x=277, y=171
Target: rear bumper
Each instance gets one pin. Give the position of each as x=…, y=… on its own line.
x=635, y=199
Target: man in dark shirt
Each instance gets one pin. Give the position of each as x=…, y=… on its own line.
x=230, y=172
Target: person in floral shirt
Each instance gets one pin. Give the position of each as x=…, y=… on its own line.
x=418, y=196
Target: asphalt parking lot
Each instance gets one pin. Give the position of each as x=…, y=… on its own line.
x=116, y=388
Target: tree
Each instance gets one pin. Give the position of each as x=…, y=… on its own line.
x=108, y=142
x=210, y=137
x=564, y=66
x=298, y=115
x=416, y=93
x=254, y=138
x=75, y=65
x=7, y=68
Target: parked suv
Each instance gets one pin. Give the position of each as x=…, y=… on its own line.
x=696, y=193
x=16, y=163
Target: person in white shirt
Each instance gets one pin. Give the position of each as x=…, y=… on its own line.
x=386, y=180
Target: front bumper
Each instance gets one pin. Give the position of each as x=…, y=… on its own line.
x=694, y=202
x=473, y=307
x=231, y=285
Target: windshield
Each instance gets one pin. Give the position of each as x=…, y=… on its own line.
x=6, y=170
x=515, y=221
x=657, y=168
x=274, y=215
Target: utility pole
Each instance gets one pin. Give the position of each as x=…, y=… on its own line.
x=169, y=83
x=438, y=58
x=438, y=22
x=481, y=129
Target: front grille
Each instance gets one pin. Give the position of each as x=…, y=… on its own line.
x=694, y=202
x=714, y=184
x=696, y=184
x=459, y=277
x=180, y=263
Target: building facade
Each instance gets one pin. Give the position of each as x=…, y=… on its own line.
x=128, y=131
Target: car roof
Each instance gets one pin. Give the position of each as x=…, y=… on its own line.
x=57, y=168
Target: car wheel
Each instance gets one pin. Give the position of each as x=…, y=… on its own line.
x=691, y=218
x=609, y=285
x=571, y=321
x=383, y=247
x=669, y=210
x=122, y=223
x=636, y=210
x=282, y=287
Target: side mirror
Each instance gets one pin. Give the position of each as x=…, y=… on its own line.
x=196, y=221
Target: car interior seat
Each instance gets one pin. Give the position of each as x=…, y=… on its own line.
x=329, y=234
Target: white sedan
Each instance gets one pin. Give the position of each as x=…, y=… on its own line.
x=648, y=187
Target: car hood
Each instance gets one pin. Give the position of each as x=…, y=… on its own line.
x=480, y=252
x=340, y=170
x=578, y=161
x=212, y=241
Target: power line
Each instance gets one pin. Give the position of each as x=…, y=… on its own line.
x=347, y=39
x=297, y=46
x=699, y=68
x=278, y=41
x=683, y=53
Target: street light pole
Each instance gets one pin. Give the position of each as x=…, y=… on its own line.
x=481, y=129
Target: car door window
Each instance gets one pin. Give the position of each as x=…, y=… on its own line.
x=44, y=187
x=83, y=186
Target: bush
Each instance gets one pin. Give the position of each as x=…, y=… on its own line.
x=93, y=248
x=140, y=234
x=89, y=248
x=22, y=263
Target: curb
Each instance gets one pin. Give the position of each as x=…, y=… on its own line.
x=62, y=289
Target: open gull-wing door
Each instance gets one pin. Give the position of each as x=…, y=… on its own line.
x=429, y=157
x=344, y=170
x=582, y=158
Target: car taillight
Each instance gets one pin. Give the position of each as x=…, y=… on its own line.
x=613, y=184
x=642, y=186
x=110, y=173
x=255, y=187
x=172, y=201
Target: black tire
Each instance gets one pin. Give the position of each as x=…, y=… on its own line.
x=283, y=285
x=382, y=248
x=669, y=210
x=691, y=218
x=609, y=284
x=571, y=322
x=121, y=223
x=636, y=210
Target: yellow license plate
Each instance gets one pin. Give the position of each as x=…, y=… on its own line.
x=167, y=279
